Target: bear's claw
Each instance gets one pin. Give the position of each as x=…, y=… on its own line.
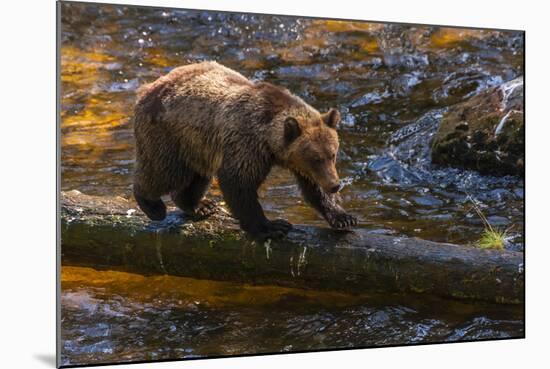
x=205, y=208
x=342, y=221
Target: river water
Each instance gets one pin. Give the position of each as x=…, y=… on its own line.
x=119, y=317
x=381, y=77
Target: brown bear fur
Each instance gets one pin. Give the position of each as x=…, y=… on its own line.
x=204, y=120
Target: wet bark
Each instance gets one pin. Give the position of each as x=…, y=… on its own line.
x=110, y=232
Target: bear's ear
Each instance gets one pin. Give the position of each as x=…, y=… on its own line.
x=331, y=118
x=292, y=130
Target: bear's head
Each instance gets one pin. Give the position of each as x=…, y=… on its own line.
x=310, y=146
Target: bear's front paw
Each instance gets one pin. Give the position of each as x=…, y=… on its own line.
x=205, y=208
x=275, y=229
x=341, y=221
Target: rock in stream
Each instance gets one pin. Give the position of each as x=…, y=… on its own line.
x=484, y=133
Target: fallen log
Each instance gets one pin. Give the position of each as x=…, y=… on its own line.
x=110, y=232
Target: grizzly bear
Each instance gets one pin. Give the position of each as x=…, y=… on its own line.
x=204, y=120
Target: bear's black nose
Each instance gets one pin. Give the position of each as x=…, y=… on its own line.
x=335, y=188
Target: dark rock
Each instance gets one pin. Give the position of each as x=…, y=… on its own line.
x=485, y=132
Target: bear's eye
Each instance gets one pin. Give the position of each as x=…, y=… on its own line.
x=317, y=160
x=333, y=157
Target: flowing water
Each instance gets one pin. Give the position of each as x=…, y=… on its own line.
x=118, y=317
x=391, y=84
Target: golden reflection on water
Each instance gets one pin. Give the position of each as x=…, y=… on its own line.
x=446, y=37
x=164, y=288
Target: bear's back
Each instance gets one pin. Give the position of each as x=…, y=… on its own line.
x=206, y=79
x=214, y=75
x=197, y=91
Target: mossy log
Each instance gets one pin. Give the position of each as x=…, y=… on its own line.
x=110, y=232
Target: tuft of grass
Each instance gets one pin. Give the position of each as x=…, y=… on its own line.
x=491, y=238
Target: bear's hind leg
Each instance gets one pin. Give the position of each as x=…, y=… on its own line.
x=154, y=209
x=190, y=198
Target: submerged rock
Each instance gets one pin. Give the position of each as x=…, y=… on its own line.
x=485, y=132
